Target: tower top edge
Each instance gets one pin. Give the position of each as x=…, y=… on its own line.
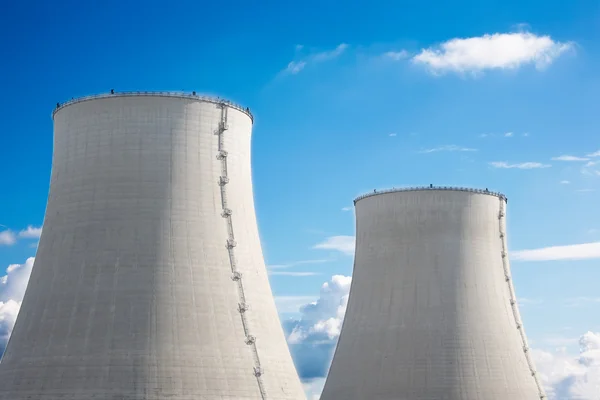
x=431, y=188
x=179, y=95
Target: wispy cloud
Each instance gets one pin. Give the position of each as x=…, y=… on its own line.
x=565, y=182
x=584, y=251
x=447, y=148
x=594, y=154
x=591, y=168
x=31, y=232
x=567, y=157
x=505, y=135
x=527, y=301
x=296, y=263
x=393, y=134
x=581, y=301
x=346, y=208
x=7, y=238
x=296, y=66
x=343, y=244
x=525, y=165
x=397, y=55
x=491, y=51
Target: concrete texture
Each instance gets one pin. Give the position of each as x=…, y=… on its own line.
x=149, y=282
x=431, y=312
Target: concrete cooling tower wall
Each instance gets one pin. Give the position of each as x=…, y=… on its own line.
x=432, y=313
x=149, y=281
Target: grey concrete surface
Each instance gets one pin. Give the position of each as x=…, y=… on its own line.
x=134, y=294
x=431, y=312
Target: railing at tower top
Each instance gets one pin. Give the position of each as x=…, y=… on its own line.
x=431, y=187
x=236, y=275
x=182, y=95
x=513, y=300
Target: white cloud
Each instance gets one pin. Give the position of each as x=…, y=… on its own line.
x=292, y=304
x=584, y=251
x=447, y=148
x=594, y=154
x=7, y=238
x=527, y=301
x=525, y=165
x=313, y=388
x=496, y=51
x=343, y=244
x=590, y=168
x=571, y=377
x=12, y=289
x=313, y=336
x=397, y=55
x=346, y=208
x=296, y=263
x=508, y=134
x=565, y=182
x=393, y=134
x=31, y=232
x=296, y=66
x=567, y=157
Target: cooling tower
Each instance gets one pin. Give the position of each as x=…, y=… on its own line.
x=432, y=313
x=149, y=281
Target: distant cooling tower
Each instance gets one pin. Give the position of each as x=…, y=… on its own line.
x=432, y=313
x=149, y=282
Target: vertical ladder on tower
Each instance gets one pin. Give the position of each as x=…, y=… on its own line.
x=230, y=244
x=513, y=298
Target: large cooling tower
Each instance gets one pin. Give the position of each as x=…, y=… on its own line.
x=149, y=282
x=432, y=313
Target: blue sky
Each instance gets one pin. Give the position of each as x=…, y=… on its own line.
x=347, y=98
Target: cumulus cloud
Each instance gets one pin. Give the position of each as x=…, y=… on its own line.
x=568, y=377
x=489, y=52
x=296, y=66
x=525, y=165
x=31, y=232
x=292, y=304
x=343, y=244
x=584, y=251
x=447, y=148
x=313, y=336
x=12, y=289
x=7, y=237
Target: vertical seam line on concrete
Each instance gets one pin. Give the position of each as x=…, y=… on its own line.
x=230, y=244
x=513, y=300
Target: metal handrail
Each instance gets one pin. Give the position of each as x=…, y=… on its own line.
x=422, y=188
x=182, y=95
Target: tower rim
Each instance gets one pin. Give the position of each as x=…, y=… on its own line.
x=171, y=94
x=431, y=188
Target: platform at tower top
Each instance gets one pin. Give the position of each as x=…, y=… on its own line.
x=431, y=188
x=180, y=95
